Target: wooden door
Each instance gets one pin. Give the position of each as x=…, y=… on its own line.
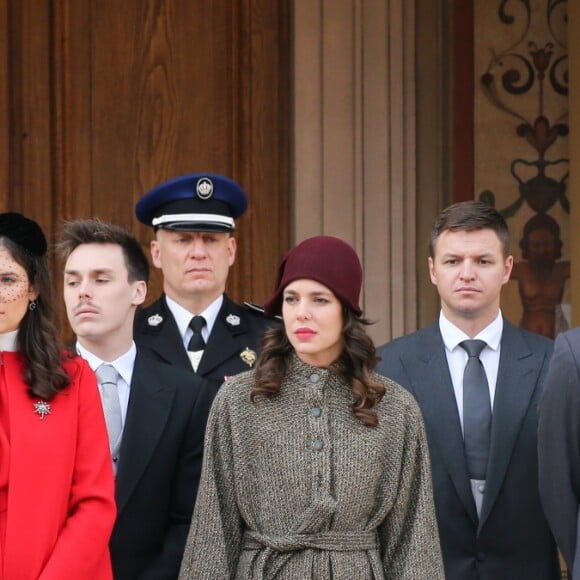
x=101, y=100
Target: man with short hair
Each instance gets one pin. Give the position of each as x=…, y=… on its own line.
x=194, y=324
x=478, y=380
x=155, y=413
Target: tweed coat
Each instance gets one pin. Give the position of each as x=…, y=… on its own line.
x=295, y=486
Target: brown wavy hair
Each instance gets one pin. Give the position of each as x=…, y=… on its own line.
x=355, y=365
x=38, y=341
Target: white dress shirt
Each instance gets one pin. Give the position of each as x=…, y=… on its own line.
x=456, y=361
x=457, y=357
x=123, y=365
x=183, y=318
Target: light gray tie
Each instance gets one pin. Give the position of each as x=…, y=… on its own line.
x=108, y=376
x=476, y=410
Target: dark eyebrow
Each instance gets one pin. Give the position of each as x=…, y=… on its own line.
x=315, y=293
x=95, y=272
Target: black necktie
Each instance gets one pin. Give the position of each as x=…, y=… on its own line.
x=196, y=342
x=476, y=410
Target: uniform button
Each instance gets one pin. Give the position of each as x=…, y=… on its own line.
x=318, y=445
x=314, y=378
x=480, y=556
x=481, y=488
x=316, y=411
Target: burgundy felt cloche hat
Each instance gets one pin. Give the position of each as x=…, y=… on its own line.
x=327, y=260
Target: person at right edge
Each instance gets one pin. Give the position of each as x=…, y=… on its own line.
x=559, y=447
x=478, y=380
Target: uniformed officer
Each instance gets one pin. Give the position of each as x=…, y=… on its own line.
x=194, y=324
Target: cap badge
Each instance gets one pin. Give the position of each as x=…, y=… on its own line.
x=155, y=320
x=42, y=408
x=204, y=188
x=249, y=356
x=233, y=320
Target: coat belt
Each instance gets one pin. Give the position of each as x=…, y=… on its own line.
x=334, y=540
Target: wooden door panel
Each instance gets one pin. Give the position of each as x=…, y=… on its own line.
x=106, y=99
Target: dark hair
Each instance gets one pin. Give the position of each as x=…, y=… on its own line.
x=93, y=231
x=38, y=341
x=355, y=365
x=541, y=221
x=469, y=216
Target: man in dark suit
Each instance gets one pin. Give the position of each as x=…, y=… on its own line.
x=559, y=447
x=480, y=409
x=156, y=411
x=193, y=217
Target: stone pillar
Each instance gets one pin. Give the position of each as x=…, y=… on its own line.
x=354, y=144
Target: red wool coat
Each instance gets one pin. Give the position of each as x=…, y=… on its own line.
x=60, y=504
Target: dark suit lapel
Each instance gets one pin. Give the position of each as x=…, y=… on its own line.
x=150, y=404
x=163, y=336
x=223, y=342
x=433, y=389
x=516, y=381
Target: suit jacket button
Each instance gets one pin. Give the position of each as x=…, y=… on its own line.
x=480, y=556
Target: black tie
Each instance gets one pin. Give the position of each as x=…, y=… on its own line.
x=476, y=410
x=196, y=342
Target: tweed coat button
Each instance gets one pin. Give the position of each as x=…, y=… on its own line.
x=318, y=445
x=314, y=378
x=316, y=411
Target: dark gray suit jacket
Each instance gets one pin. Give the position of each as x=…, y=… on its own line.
x=159, y=470
x=559, y=445
x=511, y=540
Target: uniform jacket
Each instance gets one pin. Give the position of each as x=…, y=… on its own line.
x=237, y=330
x=295, y=486
x=559, y=446
x=61, y=506
x=511, y=540
x=158, y=471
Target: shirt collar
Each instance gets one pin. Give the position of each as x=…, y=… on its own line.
x=123, y=364
x=452, y=335
x=183, y=316
x=8, y=341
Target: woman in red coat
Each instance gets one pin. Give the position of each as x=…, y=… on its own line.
x=57, y=505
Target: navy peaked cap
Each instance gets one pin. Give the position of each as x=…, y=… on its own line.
x=198, y=202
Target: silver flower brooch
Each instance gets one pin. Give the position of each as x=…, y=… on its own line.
x=42, y=408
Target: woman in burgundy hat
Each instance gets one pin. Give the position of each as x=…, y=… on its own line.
x=315, y=466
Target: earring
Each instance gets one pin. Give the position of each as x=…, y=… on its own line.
x=32, y=305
